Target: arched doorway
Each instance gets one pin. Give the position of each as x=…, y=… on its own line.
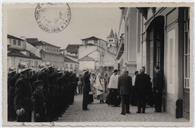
x=155, y=47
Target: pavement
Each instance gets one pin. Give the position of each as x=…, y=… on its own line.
x=104, y=113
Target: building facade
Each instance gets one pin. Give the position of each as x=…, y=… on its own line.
x=19, y=51
x=99, y=50
x=49, y=53
x=88, y=63
x=126, y=55
x=70, y=65
x=159, y=37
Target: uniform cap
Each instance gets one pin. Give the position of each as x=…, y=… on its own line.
x=11, y=69
x=23, y=67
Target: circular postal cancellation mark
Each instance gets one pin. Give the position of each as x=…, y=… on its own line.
x=52, y=17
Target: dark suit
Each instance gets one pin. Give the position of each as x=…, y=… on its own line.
x=158, y=88
x=124, y=84
x=142, y=86
x=86, y=90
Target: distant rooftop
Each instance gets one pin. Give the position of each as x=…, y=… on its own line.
x=92, y=38
x=73, y=48
x=66, y=59
x=75, y=57
x=21, y=53
x=14, y=37
x=36, y=42
x=86, y=58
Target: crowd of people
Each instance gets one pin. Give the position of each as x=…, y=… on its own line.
x=39, y=95
x=43, y=95
x=122, y=89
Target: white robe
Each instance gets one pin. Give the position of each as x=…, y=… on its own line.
x=113, y=83
x=99, y=83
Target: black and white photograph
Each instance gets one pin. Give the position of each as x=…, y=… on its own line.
x=98, y=62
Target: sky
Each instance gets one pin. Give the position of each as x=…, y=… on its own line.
x=86, y=20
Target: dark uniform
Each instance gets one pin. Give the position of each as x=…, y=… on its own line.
x=39, y=101
x=86, y=90
x=49, y=96
x=158, y=89
x=142, y=87
x=12, y=77
x=23, y=93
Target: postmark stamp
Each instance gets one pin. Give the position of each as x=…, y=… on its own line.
x=52, y=17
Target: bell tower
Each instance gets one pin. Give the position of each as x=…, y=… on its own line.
x=112, y=39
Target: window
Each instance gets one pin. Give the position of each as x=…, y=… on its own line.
x=19, y=43
x=14, y=42
x=66, y=66
x=70, y=66
x=75, y=66
x=35, y=63
x=186, y=50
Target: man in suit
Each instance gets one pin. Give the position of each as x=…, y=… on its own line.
x=124, y=85
x=142, y=86
x=86, y=89
x=158, y=89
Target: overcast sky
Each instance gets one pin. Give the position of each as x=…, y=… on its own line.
x=86, y=21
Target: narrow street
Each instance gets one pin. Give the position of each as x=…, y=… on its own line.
x=104, y=113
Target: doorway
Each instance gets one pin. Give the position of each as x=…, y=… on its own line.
x=155, y=48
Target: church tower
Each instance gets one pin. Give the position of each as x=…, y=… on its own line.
x=112, y=39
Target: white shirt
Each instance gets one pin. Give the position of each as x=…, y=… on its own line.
x=133, y=80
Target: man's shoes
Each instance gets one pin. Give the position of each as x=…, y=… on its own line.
x=122, y=113
x=138, y=112
x=128, y=112
x=158, y=111
x=86, y=109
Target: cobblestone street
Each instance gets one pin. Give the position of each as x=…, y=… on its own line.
x=104, y=113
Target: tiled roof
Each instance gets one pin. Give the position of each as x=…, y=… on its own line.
x=75, y=57
x=36, y=42
x=66, y=59
x=91, y=38
x=21, y=53
x=86, y=58
x=73, y=48
x=14, y=37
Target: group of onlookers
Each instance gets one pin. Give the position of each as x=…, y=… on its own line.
x=122, y=89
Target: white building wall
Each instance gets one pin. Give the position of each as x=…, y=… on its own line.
x=128, y=59
x=88, y=50
x=87, y=65
x=55, y=59
x=14, y=62
x=33, y=49
x=19, y=44
x=68, y=66
x=108, y=59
